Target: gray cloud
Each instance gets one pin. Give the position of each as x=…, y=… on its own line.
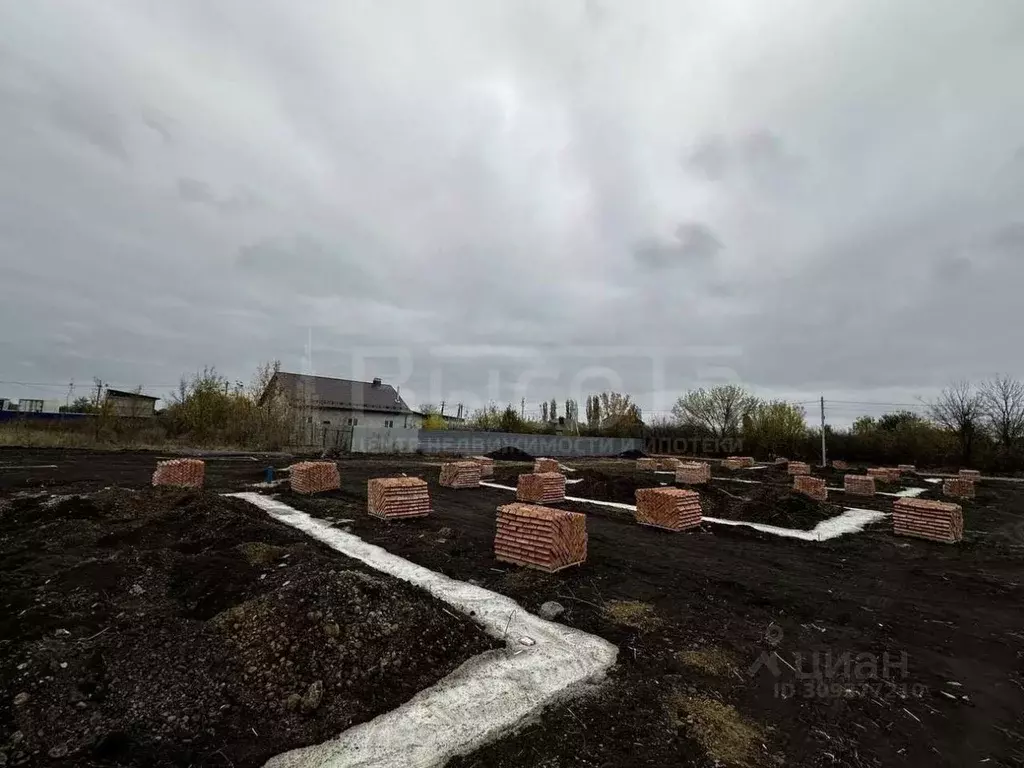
x=693, y=242
x=194, y=191
x=226, y=185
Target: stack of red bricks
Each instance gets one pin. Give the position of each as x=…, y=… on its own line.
x=546, y=465
x=669, y=463
x=460, y=474
x=486, y=465
x=885, y=474
x=799, y=468
x=315, y=476
x=184, y=473
x=539, y=537
x=859, y=485
x=397, y=497
x=935, y=520
x=781, y=460
x=970, y=474
x=840, y=465
x=732, y=463
x=811, y=486
x=646, y=465
x=693, y=473
x=745, y=461
x=541, y=488
x=958, y=488
x=906, y=468
x=674, y=509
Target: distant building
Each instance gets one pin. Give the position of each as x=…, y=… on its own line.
x=131, y=404
x=333, y=403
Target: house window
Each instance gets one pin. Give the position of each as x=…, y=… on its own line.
x=351, y=422
x=389, y=423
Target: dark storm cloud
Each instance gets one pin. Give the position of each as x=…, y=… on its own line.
x=693, y=242
x=189, y=183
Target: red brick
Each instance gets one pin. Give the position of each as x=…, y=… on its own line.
x=183, y=473
x=540, y=537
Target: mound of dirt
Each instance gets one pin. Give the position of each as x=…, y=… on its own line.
x=769, y=504
x=632, y=454
x=595, y=484
x=169, y=627
x=509, y=453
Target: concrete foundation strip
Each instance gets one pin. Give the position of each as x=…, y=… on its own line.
x=853, y=519
x=484, y=699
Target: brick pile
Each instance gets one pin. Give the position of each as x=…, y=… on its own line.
x=906, y=468
x=781, y=460
x=397, y=497
x=970, y=474
x=486, y=465
x=694, y=473
x=799, y=468
x=315, y=476
x=674, y=509
x=541, y=488
x=859, y=485
x=885, y=474
x=183, y=473
x=811, y=486
x=546, y=465
x=539, y=537
x=958, y=488
x=934, y=520
x=669, y=463
x=732, y=463
x=460, y=474
x=840, y=465
x=746, y=461
x=646, y=465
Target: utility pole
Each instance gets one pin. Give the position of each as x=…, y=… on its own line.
x=824, y=456
x=99, y=390
x=522, y=408
x=442, y=407
x=67, y=400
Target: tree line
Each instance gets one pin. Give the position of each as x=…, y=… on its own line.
x=978, y=424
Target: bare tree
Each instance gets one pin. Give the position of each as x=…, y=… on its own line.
x=1002, y=402
x=718, y=411
x=958, y=409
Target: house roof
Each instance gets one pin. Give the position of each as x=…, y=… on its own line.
x=327, y=392
x=122, y=393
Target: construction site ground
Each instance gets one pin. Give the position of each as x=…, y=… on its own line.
x=735, y=645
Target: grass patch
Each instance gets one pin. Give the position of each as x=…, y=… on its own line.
x=632, y=613
x=260, y=553
x=722, y=731
x=711, y=661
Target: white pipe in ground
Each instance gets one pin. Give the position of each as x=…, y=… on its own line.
x=852, y=520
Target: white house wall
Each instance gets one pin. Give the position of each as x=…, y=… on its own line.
x=340, y=418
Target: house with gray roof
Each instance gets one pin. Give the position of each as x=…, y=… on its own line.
x=334, y=403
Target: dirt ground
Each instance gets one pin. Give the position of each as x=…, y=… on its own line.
x=168, y=627
x=736, y=647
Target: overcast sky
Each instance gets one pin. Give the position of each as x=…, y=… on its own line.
x=479, y=199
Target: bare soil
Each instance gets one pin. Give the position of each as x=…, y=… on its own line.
x=169, y=627
x=735, y=646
